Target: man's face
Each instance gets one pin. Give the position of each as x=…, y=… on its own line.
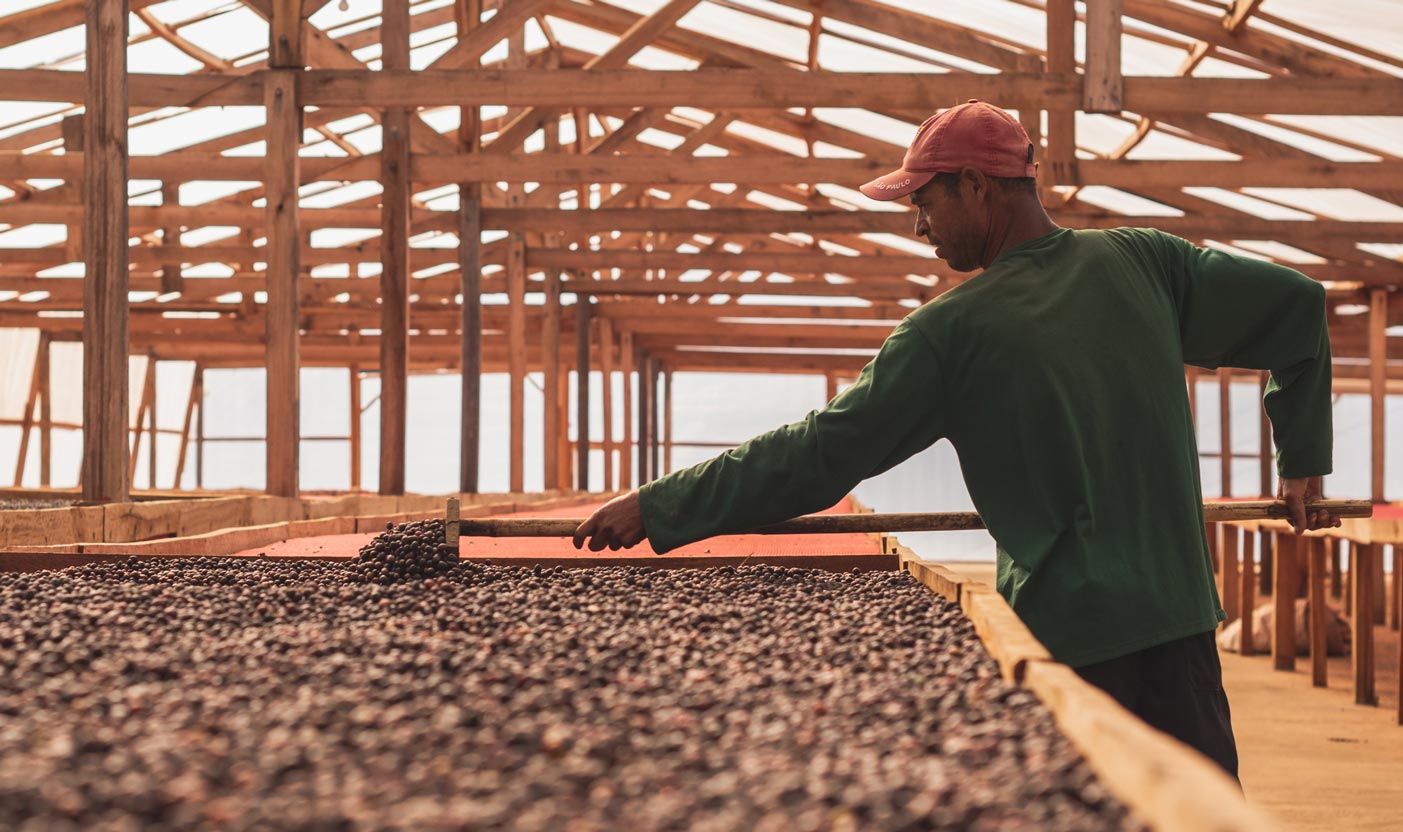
x=954, y=223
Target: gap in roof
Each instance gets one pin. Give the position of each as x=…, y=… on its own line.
x=1334, y=203
x=1283, y=134
x=1246, y=204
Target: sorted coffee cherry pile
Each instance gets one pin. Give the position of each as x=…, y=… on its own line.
x=407, y=552
x=265, y=694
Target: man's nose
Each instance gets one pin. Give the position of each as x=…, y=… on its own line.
x=922, y=227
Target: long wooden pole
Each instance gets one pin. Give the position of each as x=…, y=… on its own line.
x=46, y=415
x=27, y=423
x=582, y=316
x=394, y=249
x=1267, y=458
x=105, y=255
x=626, y=472
x=550, y=383
x=355, y=407
x=606, y=373
x=469, y=13
x=190, y=405
x=200, y=429
x=284, y=120
x=1378, y=389
x=904, y=522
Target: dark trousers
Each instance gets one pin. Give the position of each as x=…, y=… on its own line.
x=1176, y=687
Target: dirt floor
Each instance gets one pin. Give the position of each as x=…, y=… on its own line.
x=1309, y=755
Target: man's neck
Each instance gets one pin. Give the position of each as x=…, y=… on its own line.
x=1024, y=220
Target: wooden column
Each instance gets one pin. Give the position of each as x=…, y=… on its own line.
x=147, y=383
x=626, y=470
x=469, y=14
x=645, y=416
x=1360, y=576
x=830, y=392
x=190, y=405
x=667, y=422
x=1337, y=567
x=1266, y=577
x=655, y=403
x=1231, y=580
x=394, y=253
x=1247, y=596
x=1103, y=88
x=1061, y=123
x=200, y=430
x=1319, y=667
x=170, y=236
x=355, y=428
x=152, y=367
x=1395, y=615
x=1283, y=640
x=1378, y=389
x=606, y=371
x=105, y=255
x=582, y=315
x=516, y=347
x=550, y=384
x=27, y=423
x=46, y=415
x=1225, y=428
x=283, y=175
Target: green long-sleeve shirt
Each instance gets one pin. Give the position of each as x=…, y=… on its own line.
x=1057, y=375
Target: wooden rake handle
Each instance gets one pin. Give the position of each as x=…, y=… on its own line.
x=914, y=522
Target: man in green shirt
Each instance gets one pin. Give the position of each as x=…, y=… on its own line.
x=1057, y=375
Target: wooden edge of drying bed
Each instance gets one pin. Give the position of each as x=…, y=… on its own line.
x=1168, y=785
x=132, y=522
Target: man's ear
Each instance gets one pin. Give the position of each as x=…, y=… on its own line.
x=975, y=181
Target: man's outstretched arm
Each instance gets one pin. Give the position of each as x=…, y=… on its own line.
x=892, y=412
x=1240, y=312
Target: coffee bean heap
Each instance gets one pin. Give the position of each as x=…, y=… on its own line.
x=34, y=503
x=406, y=552
x=266, y=694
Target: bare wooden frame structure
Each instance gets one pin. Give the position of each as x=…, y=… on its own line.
x=653, y=249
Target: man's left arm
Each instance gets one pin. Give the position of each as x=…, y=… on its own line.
x=893, y=411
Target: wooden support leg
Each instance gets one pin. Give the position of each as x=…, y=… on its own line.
x=1337, y=566
x=1247, y=590
x=1397, y=592
x=1319, y=669
x=1363, y=627
x=46, y=418
x=1266, y=578
x=1231, y=581
x=1283, y=641
x=1377, y=587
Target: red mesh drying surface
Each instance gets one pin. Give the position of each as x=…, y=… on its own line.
x=549, y=548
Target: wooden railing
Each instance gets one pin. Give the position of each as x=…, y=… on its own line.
x=1255, y=558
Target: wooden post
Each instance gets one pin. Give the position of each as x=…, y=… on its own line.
x=46, y=416
x=1396, y=607
x=1061, y=123
x=394, y=252
x=1378, y=389
x=1319, y=668
x=1104, y=89
x=550, y=384
x=562, y=443
x=516, y=348
x=667, y=421
x=1268, y=459
x=27, y=422
x=105, y=255
x=170, y=234
x=606, y=371
x=200, y=430
x=146, y=384
x=355, y=428
x=1225, y=428
x=831, y=387
x=152, y=366
x=451, y=520
x=469, y=14
x=655, y=403
x=645, y=427
x=283, y=176
x=582, y=315
x=1283, y=641
x=1214, y=535
x=626, y=450
x=1231, y=580
x=1377, y=587
x=190, y=406
x=1337, y=567
x=1266, y=578
x=1363, y=625
x=1247, y=590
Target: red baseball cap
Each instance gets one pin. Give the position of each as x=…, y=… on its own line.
x=973, y=134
